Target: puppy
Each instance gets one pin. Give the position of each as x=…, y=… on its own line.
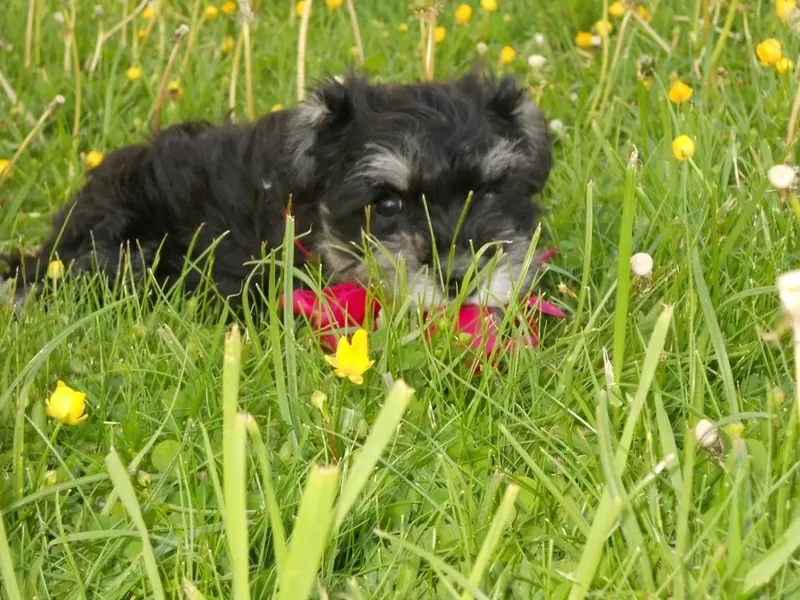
x=421, y=168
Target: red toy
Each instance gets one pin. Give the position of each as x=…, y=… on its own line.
x=346, y=305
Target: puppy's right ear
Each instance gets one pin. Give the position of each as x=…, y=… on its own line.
x=328, y=106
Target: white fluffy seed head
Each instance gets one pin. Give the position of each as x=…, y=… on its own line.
x=481, y=48
x=538, y=39
x=642, y=264
x=597, y=41
x=556, y=127
x=706, y=433
x=573, y=97
x=782, y=177
x=536, y=61
x=788, y=286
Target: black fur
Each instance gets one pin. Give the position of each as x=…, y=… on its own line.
x=194, y=182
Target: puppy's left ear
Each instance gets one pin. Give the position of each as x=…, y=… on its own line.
x=513, y=104
x=329, y=105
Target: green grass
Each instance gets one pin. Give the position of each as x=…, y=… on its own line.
x=204, y=471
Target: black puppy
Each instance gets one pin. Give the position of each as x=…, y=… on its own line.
x=397, y=162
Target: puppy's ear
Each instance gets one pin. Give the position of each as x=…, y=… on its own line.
x=330, y=105
x=513, y=105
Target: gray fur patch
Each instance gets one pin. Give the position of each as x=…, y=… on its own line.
x=501, y=158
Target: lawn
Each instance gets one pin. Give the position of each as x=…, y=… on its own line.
x=223, y=458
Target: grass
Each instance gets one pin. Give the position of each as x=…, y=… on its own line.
x=204, y=471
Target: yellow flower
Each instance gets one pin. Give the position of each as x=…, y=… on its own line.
x=134, y=73
x=489, y=5
x=647, y=83
x=679, y=92
x=211, y=12
x=175, y=90
x=229, y=7
x=5, y=165
x=227, y=45
x=439, y=34
x=784, y=8
x=463, y=14
x=66, y=405
x=333, y=4
x=603, y=28
x=583, y=39
x=507, y=54
x=616, y=9
x=55, y=270
x=403, y=28
x=149, y=13
x=783, y=65
x=300, y=7
x=682, y=147
x=769, y=52
x=643, y=12
x=93, y=159
x=141, y=33
x=276, y=108
x=352, y=359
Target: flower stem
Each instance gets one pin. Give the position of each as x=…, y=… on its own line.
x=301, y=50
x=356, y=31
x=247, y=18
x=46, y=454
x=29, y=33
x=180, y=33
x=47, y=114
x=237, y=55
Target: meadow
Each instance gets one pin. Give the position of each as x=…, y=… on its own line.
x=648, y=447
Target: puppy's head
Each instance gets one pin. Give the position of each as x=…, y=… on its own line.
x=436, y=172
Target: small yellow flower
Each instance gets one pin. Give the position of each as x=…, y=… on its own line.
x=463, y=14
x=5, y=165
x=489, y=5
x=174, y=88
x=227, y=45
x=229, y=8
x=647, y=83
x=682, y=147
x=276, y=108
x=333, y=4
x=643, y=12
x=141, y=33
x=403, y=28
x=679, y=92
x=55, y=270
x=603, y=28
x=783, y=65
x=439, y=34
x=211, y=12
x=352, y=359
x=66, y=405
x=784, y=8
x=616, y=9
x=300, y=7
x=583, y=39
x=134, y=73
x=93, y=159
x=149, y=12
x=769, y=52
x=507, y=54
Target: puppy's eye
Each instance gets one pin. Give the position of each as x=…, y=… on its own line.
x=389, y=205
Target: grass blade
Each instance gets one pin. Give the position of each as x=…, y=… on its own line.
x=310, y=534
x=234, y=465
x=384, y=429
x=499, y=522
x=715, y=333
x=624, y=265
x=775, y=558
x=608, y=509
x=7, y=565
x=127, y=495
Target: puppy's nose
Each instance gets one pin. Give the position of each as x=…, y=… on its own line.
x=456, y=280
